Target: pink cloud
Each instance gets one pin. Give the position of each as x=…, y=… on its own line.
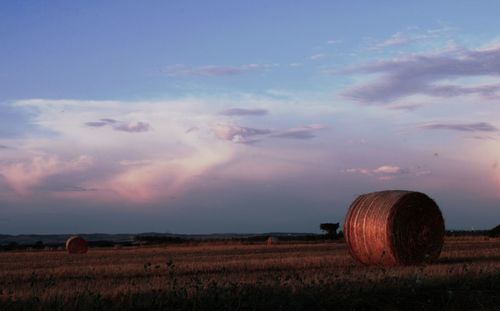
x=21, y=176
x=157, y=179
x=387, y=169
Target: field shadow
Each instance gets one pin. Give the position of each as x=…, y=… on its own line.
x=467, y=260
x=478, y=293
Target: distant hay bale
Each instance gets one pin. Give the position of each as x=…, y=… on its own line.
x=272, y=240
x=76, y=245
x=394, y=228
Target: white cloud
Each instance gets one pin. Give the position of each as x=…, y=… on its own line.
x=388, y=172
x=387, y=169
x=317, y=56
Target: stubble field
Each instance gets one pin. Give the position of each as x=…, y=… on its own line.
x=289, y=276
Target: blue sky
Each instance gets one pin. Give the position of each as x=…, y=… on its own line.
x=230, y=116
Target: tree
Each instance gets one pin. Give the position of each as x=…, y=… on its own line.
x=495, y=232
x=38, y=245
x=330, y=229
x=11, y=246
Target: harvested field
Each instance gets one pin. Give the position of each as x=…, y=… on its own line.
x=308, y=276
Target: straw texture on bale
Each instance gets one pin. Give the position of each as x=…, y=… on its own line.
x=76, y=245
x=272, y=240
x=394, y=227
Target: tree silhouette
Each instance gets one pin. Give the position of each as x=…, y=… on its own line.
x=330, y=229
x=495, y=232
x=38, y=245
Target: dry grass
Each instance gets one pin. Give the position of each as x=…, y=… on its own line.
x=248, y=277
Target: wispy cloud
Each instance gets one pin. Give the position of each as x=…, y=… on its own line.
x=96, y=124
x=387, y=172
x=101, y=123
x=192, y=129
x=130, y=127
x=463, y=127
x=402, y=38
x=398, y=38
x=133, y=127
x=333, y=41
x=303, y=132
x=484, y=137
x=317, y=56
x=238, y=134
x=135, y=162
x=76, y=189
x=420, y=73
x=213, y=70
x=407, y=107
x=244, y=112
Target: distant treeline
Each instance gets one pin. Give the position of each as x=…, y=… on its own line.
x=39, y=245
x=467, y=232
x=159, y=239
x=155, y=239
x=145, y=239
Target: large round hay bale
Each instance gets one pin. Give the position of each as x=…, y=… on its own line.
x=394, y=228
x=76, y=245
x=272, y=240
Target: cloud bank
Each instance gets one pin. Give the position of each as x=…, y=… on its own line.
x=100, y=151
x=141, y=168
x=424, y=74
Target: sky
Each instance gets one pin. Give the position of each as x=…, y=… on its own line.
x=233, y=116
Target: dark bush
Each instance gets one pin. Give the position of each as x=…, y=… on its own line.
x=495, y=232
